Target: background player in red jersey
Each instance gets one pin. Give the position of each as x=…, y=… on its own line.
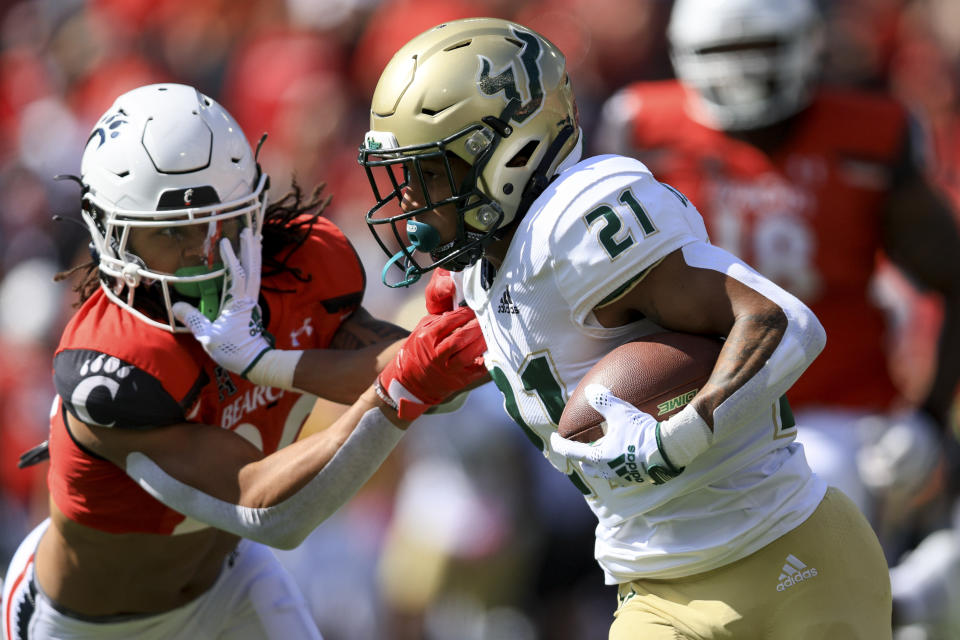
x=808, y=185
x=168, y=473
x=814, y=187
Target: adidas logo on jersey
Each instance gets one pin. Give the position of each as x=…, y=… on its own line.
x=506, y=303
x=793, y=572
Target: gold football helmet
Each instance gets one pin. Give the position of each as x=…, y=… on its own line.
x=490, y=92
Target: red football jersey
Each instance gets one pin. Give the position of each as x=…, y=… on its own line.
x=806, y=216
x=115, y=370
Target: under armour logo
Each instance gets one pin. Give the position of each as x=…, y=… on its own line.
x=306, y=329
x=188, y=196
x=256, y=323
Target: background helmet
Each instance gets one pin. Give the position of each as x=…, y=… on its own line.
x=165, y=155
x=491, y=92
x=751, y=62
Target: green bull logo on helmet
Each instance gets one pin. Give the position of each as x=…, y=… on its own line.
x=506, y=79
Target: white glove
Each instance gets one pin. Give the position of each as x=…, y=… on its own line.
x=236, y=339
x=904, y=454
x=629, y=453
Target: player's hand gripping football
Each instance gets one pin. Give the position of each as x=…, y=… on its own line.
x=443, y=355
x=235, y=339
x=629, y=453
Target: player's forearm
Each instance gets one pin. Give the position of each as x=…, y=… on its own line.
x=284, y=496
x=802, y=340
x=774, y=338
x=750, y=344
x=342, y=376
x=358, y=351
x=275, y=478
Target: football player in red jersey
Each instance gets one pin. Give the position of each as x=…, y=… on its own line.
x=168, y=473
x=810, y=185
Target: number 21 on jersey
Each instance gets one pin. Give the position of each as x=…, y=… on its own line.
x=611, y=239
x=539, y=378
x=610, y=235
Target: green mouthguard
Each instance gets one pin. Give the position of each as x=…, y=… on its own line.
x=208, y=291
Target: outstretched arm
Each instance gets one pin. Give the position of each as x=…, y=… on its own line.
x=360, y=349
x=217, y=477
x=235, y=339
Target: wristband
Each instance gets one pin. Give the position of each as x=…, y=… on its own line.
x=274, y=368
x=399, y=398
x=683, y=437
x=383, y=395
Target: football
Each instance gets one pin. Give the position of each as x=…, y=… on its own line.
x=659, y=374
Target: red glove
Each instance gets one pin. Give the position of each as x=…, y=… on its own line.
x=441, y=292
x=442, y=355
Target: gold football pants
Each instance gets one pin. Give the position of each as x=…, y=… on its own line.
x=825, y=580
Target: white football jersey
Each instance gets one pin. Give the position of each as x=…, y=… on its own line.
x=600, y=225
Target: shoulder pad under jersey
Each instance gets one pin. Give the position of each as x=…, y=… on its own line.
x=610, y=220
x=101, y=389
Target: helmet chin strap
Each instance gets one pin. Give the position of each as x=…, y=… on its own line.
x=426, y=238
x=539, y=180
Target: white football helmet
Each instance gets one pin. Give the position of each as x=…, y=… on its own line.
x=491, y=92
x=750, y=63
x=167, y=157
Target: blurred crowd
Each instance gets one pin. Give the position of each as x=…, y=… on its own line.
x=466, y=533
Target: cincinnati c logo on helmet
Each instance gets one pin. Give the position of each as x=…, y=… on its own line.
x=505, y=80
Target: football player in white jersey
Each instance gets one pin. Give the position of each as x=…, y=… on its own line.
x=473, y=155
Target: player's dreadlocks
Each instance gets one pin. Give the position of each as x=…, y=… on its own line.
x=286, y=225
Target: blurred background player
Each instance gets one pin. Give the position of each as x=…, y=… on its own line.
x=819, y=189
x=473, y=155
x=166, y=475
